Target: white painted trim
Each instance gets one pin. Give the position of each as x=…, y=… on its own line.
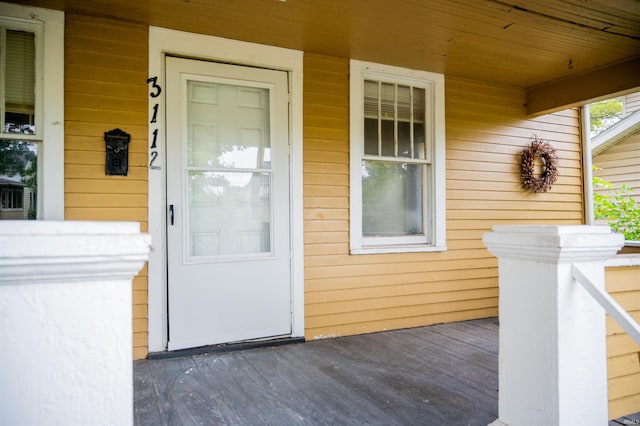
x=50, y=104
x=553, y=368
x=435, y=82
x=587, y=165
x=622, y=260
x=162, y=42
x=65, y=315
x=553, y=243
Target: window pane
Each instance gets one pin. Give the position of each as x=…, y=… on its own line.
x=371, y=117
x=392, y=199
x=404, y=139
x=418, y=105
x=371, y=136
x=419, y=150
x=404, y=103
x=18, y=179
x=387, y=134
x=19, y=82
x=387, y=101
x=371, y=99
x=419, y=147
x=404, y=121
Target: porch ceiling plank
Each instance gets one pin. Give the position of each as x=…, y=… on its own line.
x=513, y=43
x=613, y=79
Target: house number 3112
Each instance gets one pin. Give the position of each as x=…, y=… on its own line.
x=154, y=92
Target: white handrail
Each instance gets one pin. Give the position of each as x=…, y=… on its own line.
x=608, y=303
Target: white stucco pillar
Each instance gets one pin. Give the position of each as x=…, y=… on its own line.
x=66, y=321
x=553, y=358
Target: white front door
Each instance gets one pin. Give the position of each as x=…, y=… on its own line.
x=228, y=233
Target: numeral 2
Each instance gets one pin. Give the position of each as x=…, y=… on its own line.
x=154, y=157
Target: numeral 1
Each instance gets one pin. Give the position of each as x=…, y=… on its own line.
x=155, y=138
x=155, y=113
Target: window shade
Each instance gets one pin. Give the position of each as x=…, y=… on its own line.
x=389, y=96
x=20, y=75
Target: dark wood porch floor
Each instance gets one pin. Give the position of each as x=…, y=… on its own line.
x=445, y=374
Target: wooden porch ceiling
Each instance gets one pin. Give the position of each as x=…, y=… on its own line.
x=562, y=52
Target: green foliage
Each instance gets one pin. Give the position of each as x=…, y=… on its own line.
x=604, y=114
x=617, y=208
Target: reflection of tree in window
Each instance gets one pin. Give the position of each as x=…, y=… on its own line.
x=392, y=199
x=18, y=158
x=19, y=164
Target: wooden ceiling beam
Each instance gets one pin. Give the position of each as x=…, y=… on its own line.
x=609, y=81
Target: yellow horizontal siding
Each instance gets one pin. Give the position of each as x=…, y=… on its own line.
x=105, y=88
x=623, y=354
x=486, y=131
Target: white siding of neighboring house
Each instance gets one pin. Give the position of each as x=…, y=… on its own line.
x=631, y=103
x=619, y=162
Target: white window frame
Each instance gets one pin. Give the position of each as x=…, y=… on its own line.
x=48, y=27
x=435, y=197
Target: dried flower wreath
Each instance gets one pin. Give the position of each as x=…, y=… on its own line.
x=542, y=149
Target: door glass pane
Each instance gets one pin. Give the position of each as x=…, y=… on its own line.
x=228, y=170
x=229, y=213
x=228, y=126
x=392, y=199
x=19, y=82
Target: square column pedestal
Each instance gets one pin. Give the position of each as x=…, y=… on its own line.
x=553, y=362
x=66, y=321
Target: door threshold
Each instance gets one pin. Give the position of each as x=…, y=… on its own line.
x=226, y=347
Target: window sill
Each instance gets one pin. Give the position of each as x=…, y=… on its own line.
x=397, y=249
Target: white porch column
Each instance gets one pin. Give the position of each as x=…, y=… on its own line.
x=553, y=365
x=66, y=322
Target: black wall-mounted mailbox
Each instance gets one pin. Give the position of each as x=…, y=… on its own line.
x=117, y=161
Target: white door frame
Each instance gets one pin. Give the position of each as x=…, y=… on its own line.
x=162, y=42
